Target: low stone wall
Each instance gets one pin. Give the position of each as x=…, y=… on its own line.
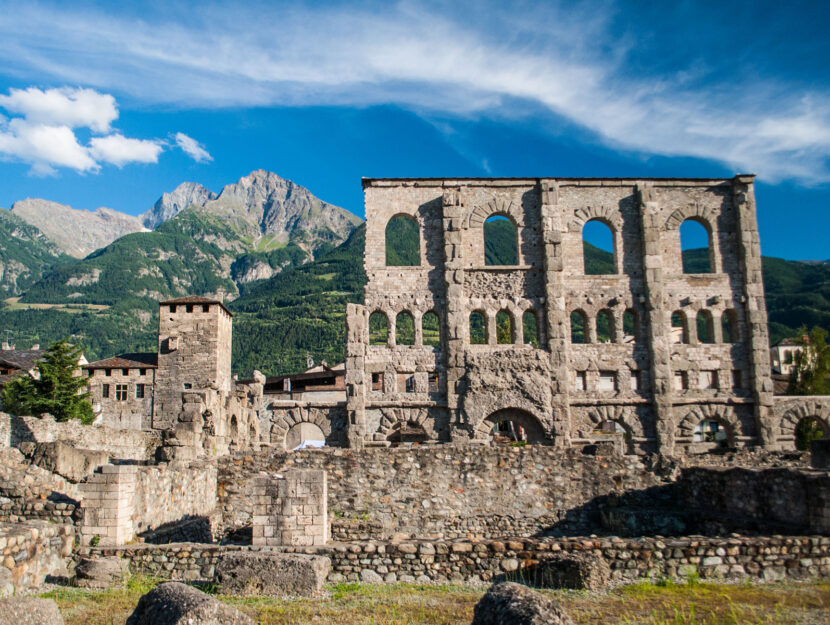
x=737, y=558
x=31, y=551
x=120, y=444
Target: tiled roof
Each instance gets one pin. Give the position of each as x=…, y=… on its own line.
x=24, y=359
x=127, y=361
x=195, y=299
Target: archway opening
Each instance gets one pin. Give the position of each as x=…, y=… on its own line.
x=679, y=329
x=504, y=328
x=808, y=430
x=404, y=329
x=514, y=426
x=378, y=330
x=409, y=433
x=304, y=436
x=605, y=326
x=234, y=430
x=710, y=434
x=696, y=247
x=403, y=244
x=705, y=327
x=616, y=433
x=631, y=326
x=598, y=248
x=478, y=329
x=501, y=241
x=530, y=328
x=579, y=326
x=431, y=329
x=729, y=326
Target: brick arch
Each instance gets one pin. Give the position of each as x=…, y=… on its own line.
x=608, y=215
x=621, y=414
x=395, y=418
x=286, y=420
x=698, y=213
x=496, y=206
x=533, y=425
x=725, y=415
x=804, y=410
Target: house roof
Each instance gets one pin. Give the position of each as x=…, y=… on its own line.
x=195, y=299
x=788, y=343
x=126, y=361
x=24, y=359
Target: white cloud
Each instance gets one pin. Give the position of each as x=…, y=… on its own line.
x=192, y=148
x=45, y=147
x=571, y=61
x=119, y=150
x=75, y=108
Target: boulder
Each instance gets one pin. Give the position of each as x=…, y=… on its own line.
x=67, y=461
x=275, y=574
x=507, y=603
x=104, y=572
x=574, y=571
x=173, y=603
x=25, y=610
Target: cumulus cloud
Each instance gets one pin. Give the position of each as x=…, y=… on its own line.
x=192, y=148
x=43, y=132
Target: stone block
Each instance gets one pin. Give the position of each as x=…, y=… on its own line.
x=274, y=574
x=173, y=603
x=512, y=603
x=23, y=610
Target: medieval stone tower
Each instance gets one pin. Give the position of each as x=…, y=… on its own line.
x=195, y=335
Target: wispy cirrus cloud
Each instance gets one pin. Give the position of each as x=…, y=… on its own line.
x=572, y=62
x=44, y=132
x=192, y=148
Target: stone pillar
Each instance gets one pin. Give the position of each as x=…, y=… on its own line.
x=457, y=313
x=556, y=327
x=291, y=509
x=357, y=340
x=657, y=329
x=107, y=505
x=755, y=310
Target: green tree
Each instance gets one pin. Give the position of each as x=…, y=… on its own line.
x=58, y=391
x=811, y=364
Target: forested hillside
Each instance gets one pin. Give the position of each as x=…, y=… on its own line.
x=25, y=254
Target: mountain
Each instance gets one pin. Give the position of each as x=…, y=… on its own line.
x=171, y=204
x=25, y=255
x=75, y=231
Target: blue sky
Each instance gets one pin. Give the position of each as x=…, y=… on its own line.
x=105, y=107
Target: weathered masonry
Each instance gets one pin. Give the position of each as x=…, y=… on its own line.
x=645, y=356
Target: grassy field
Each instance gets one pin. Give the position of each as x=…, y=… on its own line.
x=405, y=604
x=13, y=303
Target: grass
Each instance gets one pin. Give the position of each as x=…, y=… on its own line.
x=13, y=303
x=693, y=603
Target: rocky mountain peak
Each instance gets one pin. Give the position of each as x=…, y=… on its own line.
x=171, y=204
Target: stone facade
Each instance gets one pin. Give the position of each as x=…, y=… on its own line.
x=660, y=388
x=121, y=391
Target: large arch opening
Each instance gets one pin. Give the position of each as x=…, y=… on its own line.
x=514, y=426
x=605, y=326
x=504, y=328
x=598, y=248
x=809, y=429
x=304, y=435
x=501, y=241
x=378, y=329
x=696, y=247
x=404, y=329
x=403, y=242
x=478, y=328
x=631, y=326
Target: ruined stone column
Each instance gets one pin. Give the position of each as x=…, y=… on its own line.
x=107, y=504
x=357, y=338
x=556, y=317
x=658, y=326
x=755, y=309
x=457, y=336
x=291, y=510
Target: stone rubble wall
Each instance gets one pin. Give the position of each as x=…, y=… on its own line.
x=31, y=551
x=5, y=429
x=735, y=558
x=28, y=492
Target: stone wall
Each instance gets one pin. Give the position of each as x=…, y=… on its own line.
x=736, y=558
x=31, y=551
x=135, y=411
x=291, y=509
x=5, y=429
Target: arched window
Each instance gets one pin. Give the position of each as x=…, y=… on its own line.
x=705, y=327
x=478, y=329
x=501, y=241
x=679, y=329
x=378, y=331
x=234, y=430
x=530, y=328
x=403, y=242
x=631, y=326
x=605, y=326
x=807, y=430
x=579, y=327
x=598, y=248
x=504, y=328
x=729, y=326
x=404, y=329
x=696, y=247
x=711, y=431
x=431, y=329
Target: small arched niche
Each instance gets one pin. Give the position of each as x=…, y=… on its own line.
x=501, y=241
x=478, y=328
x=431, y=329
x=598, y=248
x=404, y=329
x=403, y=242
x=530, y=328
x=710, y=435
x=696, y=247
x=679, y=328
x=504, y=328
x=579, y=327
x=378, y=329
